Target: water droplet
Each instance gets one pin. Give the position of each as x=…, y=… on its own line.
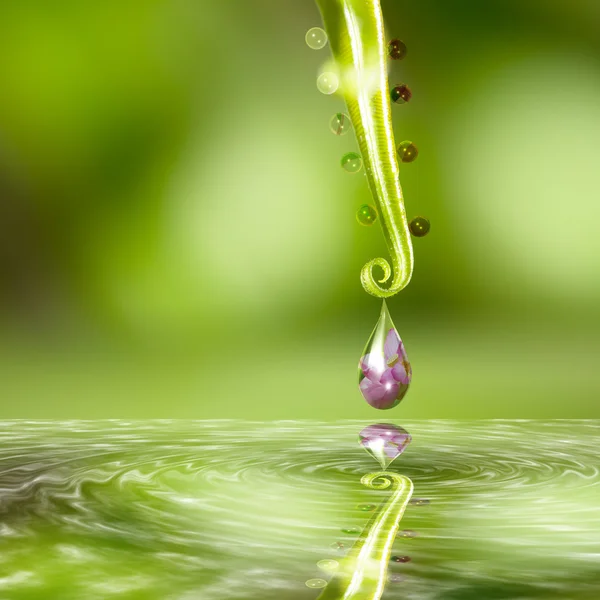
x=366, y=215
x=408, y=533
x=340, y=124
x=352, y=162
x=400, y=94
x=401, y=559
x=328, y=83
x=337, y=546
x=366, y=507
x=407, y=151
x=420, y=501
x=316, y=38
x=315, y=583
x=384, y=442
x=396, y=49
x=328, y=565
x=394, y=578
x=352, y=530
x=419, y=226
x=384, y=372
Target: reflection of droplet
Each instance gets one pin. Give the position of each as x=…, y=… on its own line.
x=327, y=83
x=328, y=565
x=366, y=507
x=407, y=151
x=420, y=501
x=408, y=533
x=366, y=215
x=384, y=442
x=351, y=162
x=400, y=94
x=316, y=38
x=419, y=226
x=316, y=583
x=352, y=530
x=401, y=559
x=384, y=372
x=340, y=124
x=394, y=578
x=396, y=49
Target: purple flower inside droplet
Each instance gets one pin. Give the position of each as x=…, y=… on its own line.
x=384, y=441
x=386, y=381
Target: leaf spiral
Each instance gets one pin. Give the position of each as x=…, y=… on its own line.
x=357, y=40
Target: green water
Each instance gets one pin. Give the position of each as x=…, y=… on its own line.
x=229, y=510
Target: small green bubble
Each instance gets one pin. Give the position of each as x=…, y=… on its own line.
x=420, y=227
x=351, y=162
x=352, y=530
x=328, y=565
x=407, y=151
x=420, y=501
x=340, y=124
x=366, y=215
x=316, y=583
x=408, y=533
x=316, y=38
x=366, y=507
x=328, y=83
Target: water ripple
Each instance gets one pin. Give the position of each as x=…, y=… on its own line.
x=231, y=510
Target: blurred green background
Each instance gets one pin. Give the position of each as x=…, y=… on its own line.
x=177, y=238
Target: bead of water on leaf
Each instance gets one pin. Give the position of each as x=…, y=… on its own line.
x=408, y=533
x=340, y=124
x=366, y=215
x=367, y=507
x=316, y=38
x=337, y=546
x=328, y=565
x=316, y=583
x=396, y=49
x=401, y=559
x=407, y=151
x=419, y=226
x=393, y=578
x=328, y=83
x=352, y=530
x=351, y=162
x=420, y=501
x=401, y=93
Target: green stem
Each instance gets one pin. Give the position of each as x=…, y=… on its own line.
x=357, y=40
x=362, y=573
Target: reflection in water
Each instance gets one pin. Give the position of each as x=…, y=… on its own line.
x=229, y=510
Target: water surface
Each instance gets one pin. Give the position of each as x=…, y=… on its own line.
x=231, y=510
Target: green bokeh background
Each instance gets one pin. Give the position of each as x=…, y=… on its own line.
x=177, y=238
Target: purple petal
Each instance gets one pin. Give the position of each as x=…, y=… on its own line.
x=392, y=345
x=370, y=367
x=387, y=377
x=372, y=391
x=399, y=373
x=379, y=395
x=364, y=364
x=391, y=392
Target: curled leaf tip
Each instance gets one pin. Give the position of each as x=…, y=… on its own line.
x=357, y=40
